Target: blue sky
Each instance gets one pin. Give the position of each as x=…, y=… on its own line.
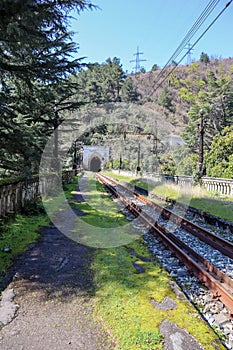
x=156, y=26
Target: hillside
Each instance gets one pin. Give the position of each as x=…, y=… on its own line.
x=167, y=112
x=174, y=98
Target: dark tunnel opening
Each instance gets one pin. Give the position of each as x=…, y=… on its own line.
x=95, y=164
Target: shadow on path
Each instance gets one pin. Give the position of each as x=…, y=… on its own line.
x=53, y=287
x=57, y=265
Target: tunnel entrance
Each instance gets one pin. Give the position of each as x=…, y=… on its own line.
x=95, y=157
x=95, y=164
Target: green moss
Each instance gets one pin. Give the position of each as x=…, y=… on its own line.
x=16, y=235
x=101, y=210
x=11, y=180
x=122, y=300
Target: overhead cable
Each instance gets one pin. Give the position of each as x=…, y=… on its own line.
x=203, y=16
x=192, y=46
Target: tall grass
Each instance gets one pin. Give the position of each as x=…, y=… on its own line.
x=194, y=196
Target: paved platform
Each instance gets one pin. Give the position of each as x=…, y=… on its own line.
x=48, y=304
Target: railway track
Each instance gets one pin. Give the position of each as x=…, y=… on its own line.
x=218, y=282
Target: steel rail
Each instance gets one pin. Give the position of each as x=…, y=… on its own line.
x=217, y=242
x=219, y=283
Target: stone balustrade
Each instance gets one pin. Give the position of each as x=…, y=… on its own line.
x=219, y=185
x=222, y=186
x=13, y=196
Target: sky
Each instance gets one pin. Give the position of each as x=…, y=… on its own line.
x=157, y=27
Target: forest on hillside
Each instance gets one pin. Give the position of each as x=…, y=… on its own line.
x=41, y=87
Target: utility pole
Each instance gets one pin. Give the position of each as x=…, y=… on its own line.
x=201, y=143
x=155, y=146
x=137, y=60
x=139, y=156
x=55, y=161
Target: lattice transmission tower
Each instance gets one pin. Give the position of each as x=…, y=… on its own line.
x=137, y=60
x=189, y=53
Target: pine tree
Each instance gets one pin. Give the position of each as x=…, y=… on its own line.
x=100, y=83
x=34, y=68
x=129, y=93
x=204, y=58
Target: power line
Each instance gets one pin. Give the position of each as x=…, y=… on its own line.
x=137, y=60
x=203, y=16
x=210, y=25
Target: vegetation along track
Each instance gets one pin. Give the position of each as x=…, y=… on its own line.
x=215, y=279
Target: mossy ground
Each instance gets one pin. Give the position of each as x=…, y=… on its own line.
x=123, y=301
x=123, y=297
x=103, y=225
x=17, y=233
x=100, y=208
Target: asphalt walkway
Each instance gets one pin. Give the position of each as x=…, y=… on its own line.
x=48, y=306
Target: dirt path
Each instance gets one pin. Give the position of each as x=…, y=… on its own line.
x=53, y=288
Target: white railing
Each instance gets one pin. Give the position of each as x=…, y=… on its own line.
x=219, y=185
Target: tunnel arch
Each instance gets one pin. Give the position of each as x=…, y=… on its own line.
x=95, y=163
x=95, y=157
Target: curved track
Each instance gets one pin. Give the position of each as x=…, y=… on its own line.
x=212, y=277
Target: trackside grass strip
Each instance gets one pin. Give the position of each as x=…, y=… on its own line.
x=103, y=225
x=196, y=197
x=123, y=297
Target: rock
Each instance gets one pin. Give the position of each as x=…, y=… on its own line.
x=177, y=338
x=182, y=272
x=8, y=307
x=6, y=250
x=138, y=268
x=166, y=304
x=220, y=319
x=7, y=296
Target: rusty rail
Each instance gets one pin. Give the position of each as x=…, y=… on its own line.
x=218, y=282
x=221, y=244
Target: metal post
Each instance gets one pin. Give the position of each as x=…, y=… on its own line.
x=139, y=156
x=120, y=165
x=201, y=143
x=75, y=157
x=55, y=161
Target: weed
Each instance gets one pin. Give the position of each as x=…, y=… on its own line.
x=196, y=196
x=17, y=233
x=218, y=332
x=149, y=340
x=32, y=208
x=122, y=299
